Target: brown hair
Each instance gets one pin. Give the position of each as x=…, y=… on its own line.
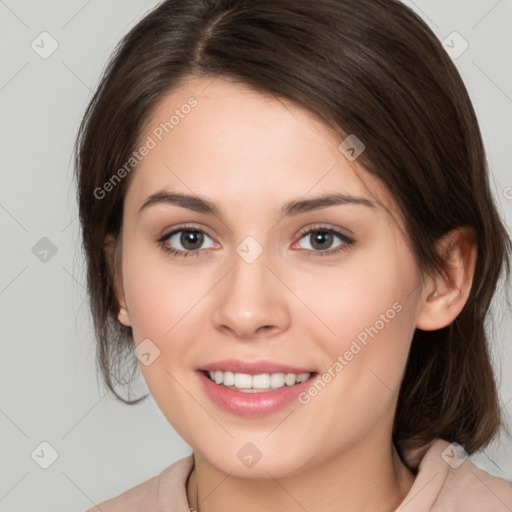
x=367, y=67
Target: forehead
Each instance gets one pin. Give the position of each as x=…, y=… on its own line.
x=217, y=138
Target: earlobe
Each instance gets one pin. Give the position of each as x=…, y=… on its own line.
x=446, y=293
x=123, y=317
x=111, y=253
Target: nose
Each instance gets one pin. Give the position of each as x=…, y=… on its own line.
x=252, y=302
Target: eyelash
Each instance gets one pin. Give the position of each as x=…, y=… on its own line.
x=347, y=242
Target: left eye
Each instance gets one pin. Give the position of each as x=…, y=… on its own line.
x=321, y=240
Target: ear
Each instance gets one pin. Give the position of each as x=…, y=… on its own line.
x=112, y=248
x=445, y=294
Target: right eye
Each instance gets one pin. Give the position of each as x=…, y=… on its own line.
x=188, y=239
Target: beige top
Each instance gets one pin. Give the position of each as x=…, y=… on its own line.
x=445, y=482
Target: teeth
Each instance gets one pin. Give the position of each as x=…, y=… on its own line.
x=242, y=380
x=255, y=383
x=229, y=378
x=261, y=381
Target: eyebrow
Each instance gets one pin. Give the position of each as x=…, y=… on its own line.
x=295, y=207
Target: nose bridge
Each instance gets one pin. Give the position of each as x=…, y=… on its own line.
x=251, y=298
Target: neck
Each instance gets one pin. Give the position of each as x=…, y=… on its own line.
x=364, y=478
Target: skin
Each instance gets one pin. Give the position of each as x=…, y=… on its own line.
x=250, y=154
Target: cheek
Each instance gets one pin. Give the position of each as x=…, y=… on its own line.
x=370, y=313
x=369, y=296
x=161, y=297
x=164, y=302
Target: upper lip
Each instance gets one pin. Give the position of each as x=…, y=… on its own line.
x=252, y=367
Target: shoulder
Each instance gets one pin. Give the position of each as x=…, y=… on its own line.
x=448, y=480
x=164, y=492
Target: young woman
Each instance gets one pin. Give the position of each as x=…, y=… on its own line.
x=288, y=228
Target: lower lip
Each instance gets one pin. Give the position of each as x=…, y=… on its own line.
x=252, y=404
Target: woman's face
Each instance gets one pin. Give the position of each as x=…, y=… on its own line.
x=259, y=281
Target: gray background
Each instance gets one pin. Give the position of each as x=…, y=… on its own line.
x=49, y=390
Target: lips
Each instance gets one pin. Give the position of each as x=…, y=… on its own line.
x=253, y=367
x=253, y=404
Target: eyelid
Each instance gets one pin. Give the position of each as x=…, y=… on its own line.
x=327, y=227
x=302, y=232
x=183, y=227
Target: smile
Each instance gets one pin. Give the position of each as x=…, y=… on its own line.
x=263, y=382
x=253, y=394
